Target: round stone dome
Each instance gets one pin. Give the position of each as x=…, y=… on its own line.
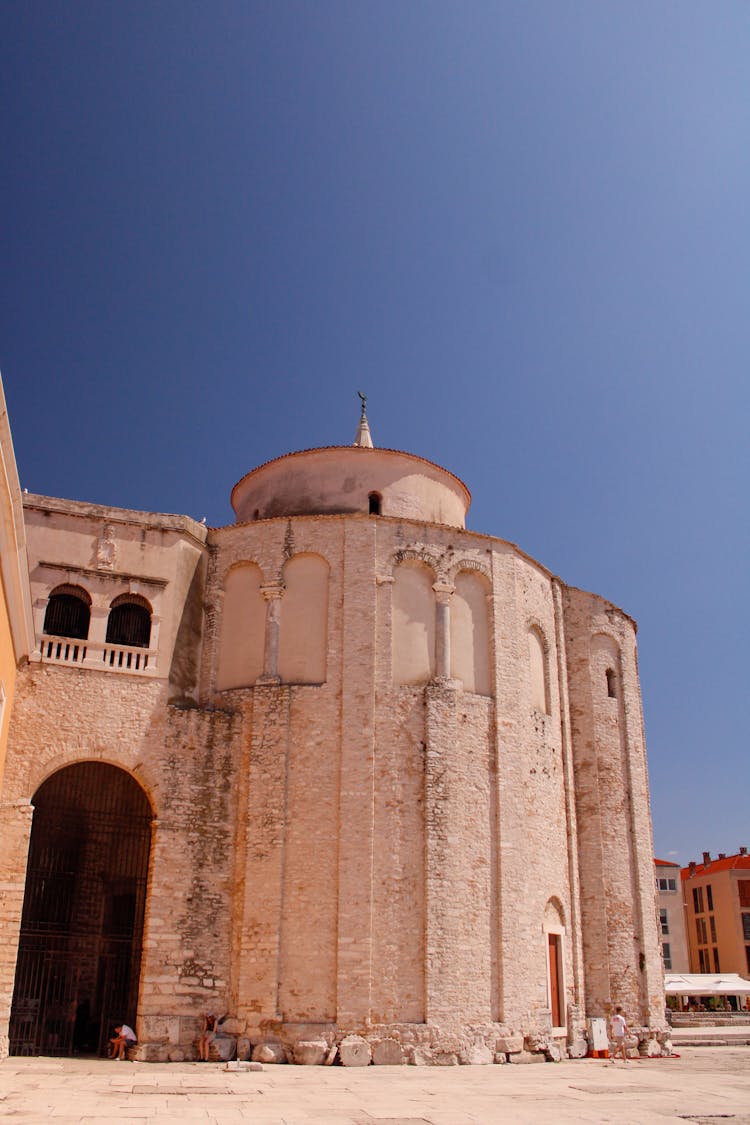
x=340, y=480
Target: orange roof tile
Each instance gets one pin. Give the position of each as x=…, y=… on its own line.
x=730, y=862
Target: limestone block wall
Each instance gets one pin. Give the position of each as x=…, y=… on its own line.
x=535, y=827
x=287, y=853
x=395, y=817
x=15, y=826
x=186, y=762
x=621, y=946
x=399, y=860
x=392, y=765
x=448, y=741
x=459, y=889
x=109, y=552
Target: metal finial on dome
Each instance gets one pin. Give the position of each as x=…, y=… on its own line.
x=363, y=438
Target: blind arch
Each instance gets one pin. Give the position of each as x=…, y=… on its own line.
x=303, y=636
x=413, y=603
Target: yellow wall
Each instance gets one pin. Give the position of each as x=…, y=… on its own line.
x=7, y=673
x=16, y=627
x=727, y=920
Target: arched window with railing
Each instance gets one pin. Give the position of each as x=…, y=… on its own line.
x=129, y=622
x=68, y=613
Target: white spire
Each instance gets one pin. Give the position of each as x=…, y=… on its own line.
x=364, y=437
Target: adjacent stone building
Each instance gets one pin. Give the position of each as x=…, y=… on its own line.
x=342, y=767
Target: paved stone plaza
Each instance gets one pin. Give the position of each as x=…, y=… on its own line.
x=705, y=1086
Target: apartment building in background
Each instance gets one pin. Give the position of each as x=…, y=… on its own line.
x=716, y=894
x=671, y=917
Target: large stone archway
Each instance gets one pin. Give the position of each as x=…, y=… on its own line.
x=82, y=924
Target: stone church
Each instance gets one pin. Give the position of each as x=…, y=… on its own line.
x=341, y=768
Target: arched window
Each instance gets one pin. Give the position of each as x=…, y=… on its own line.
x=68, y=613
x=375, y=502
x=538, y=671
x=606, y=664
x=129, y=622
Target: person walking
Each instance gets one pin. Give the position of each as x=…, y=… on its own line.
x=619, y=1031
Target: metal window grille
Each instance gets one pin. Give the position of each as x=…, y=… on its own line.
x=79, y=955
x=67, y=616
x=129, y=624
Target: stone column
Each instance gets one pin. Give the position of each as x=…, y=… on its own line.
x=210, y=649
x=648, y=946
x=443, y=595
x=458, y=841
x=357, y=786
x=621, y=946
x=39, y=611
x=260, y=870
x=574, y=929
x=272, y=592
x=153, y=643
x=97, y=634
x=15, y=830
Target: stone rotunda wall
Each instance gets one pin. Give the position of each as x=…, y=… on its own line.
x=402, y=792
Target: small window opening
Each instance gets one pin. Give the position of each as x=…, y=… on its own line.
x=375, y=501
x=256, y=514
x=611, y=684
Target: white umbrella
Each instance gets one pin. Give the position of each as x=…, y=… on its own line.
x=706, y=984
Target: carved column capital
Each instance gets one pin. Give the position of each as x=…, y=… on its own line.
x=272, y=590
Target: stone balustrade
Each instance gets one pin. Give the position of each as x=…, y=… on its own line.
x=92, y=654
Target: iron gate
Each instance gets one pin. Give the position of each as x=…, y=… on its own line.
x=79, y=954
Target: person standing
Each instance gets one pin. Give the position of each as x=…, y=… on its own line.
x=619, y=1031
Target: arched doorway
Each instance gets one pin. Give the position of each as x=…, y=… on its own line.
x=82, y=924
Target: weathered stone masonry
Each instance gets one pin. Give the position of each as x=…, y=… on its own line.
x=420, y=811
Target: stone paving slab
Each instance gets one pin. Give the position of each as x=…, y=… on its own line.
x=705, y=1086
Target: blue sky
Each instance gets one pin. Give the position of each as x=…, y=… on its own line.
x=521, y=228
